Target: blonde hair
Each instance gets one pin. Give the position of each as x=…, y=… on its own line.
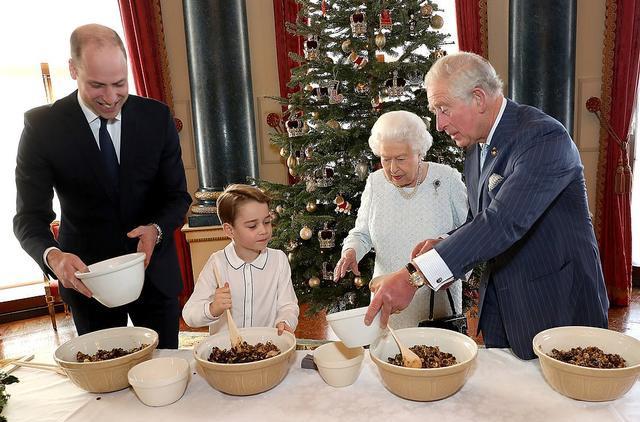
x=465, y=71
x=402, y=127
x=236, y=195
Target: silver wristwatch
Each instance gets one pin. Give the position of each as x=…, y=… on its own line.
x=415, y=277
x=159, y=238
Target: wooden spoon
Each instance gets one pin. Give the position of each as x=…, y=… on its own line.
x=409, y=359
x=234, y=334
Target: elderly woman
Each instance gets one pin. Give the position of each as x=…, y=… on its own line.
x=405, y=202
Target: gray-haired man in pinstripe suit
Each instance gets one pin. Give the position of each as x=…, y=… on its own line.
x=528, y=215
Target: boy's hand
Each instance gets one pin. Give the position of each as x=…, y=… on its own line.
x=221, y=300
x=283, y=326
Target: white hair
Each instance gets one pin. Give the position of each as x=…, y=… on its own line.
x=402, y=127
x=464, y=72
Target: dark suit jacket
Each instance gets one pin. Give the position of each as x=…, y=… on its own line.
x=58, y=151
x=533, y=229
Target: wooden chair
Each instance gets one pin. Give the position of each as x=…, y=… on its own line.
x=51, y=287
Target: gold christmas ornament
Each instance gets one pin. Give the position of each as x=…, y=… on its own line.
x=311, y=206
x=426, y=10
x=315, y=115
x=437, y=22
x=333, y=124
x=314, y=282
x=346, y=46
x=293, y=172
x=358, y=281
x=308, y=88
x=283, y=152
x=280, y=209
x=381, y=40
x=290, y=256
x=306, y=233
x=291, y=161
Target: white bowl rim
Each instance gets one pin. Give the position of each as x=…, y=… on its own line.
x=537, y=349
x=153, y=344
x=183, y=372
x=243, y=364
x=349, y=313
x=137, y=257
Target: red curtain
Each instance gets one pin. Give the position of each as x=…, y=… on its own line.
x=286, y=11
x=471, y=19
x=619, y=82
x=142, y=22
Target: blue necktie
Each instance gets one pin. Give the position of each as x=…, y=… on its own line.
x=483, y=154
x=108, y=152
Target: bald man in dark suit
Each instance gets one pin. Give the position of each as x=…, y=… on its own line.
x=114, y=161
x=528, y=215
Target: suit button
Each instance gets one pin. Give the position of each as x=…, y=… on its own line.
x=439, y=280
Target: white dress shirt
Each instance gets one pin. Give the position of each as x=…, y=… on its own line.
x=431, y=264
x=113, y=127
x=262, y=294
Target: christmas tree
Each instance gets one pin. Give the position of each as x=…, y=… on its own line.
x=361, y=59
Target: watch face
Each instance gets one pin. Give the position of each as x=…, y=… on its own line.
x=416, y=279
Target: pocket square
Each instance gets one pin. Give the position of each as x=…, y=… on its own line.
x=494, y=180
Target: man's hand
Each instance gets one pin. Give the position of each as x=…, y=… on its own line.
x=64, y=266
x=283, y=326
x=346, y=263
x=393, y=293
x=147, y=236
x=221, y=300
x=424, y=246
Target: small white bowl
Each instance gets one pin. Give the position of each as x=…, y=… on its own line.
x=116, y=281
x=339, y=365
x=161, y=381
x=349, y=327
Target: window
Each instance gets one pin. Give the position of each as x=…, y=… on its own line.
x=34, y=31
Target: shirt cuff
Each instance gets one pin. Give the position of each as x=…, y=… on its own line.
x=44, y=256
x=434, y=269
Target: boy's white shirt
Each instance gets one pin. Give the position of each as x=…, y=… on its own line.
x=261, y=291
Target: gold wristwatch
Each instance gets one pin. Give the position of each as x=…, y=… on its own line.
x=415, y=277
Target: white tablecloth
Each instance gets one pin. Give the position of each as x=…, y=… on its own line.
x=500, y=388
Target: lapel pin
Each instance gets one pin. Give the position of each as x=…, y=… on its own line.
x=494, y=151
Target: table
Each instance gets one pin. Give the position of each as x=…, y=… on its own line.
x=501, y=387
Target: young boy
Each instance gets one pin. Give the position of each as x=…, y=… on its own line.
x=257, y=279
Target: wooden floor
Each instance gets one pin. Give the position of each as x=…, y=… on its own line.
x=37, y=335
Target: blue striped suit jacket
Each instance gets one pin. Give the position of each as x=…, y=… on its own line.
x=533, y=229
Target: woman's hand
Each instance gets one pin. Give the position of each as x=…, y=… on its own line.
x=346, y=263
x=221, y=301
x=424, y=246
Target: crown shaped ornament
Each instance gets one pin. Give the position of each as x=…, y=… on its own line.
x=385, y=19
x=295, y=127
x=325, y=179
x=358, y=23
x=395, y=86
x=311, y=50
x=415, y=78
x=327, y=237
